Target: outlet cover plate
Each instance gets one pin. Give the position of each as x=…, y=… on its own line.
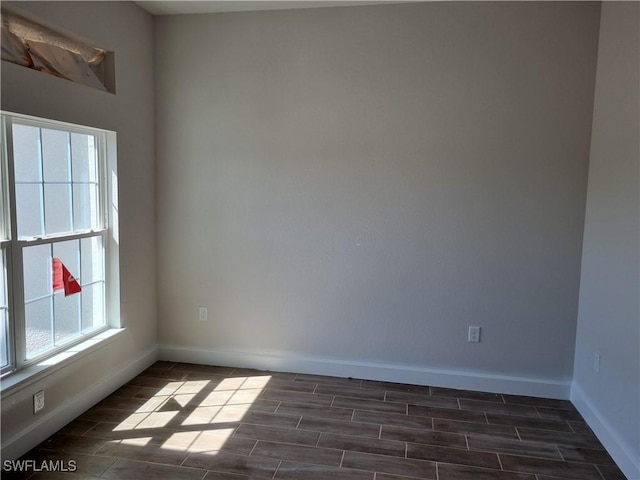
x=38, y=401
x=474, y=334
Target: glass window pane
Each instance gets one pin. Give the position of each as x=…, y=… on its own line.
x=37, y=272
x=29, y=210
x=26, y=152
x=85, y=206
x=38, y=326
x=83, y=158
x=92, y=255
x=69, y=253
x=57, y=208
x=67, y=309
x=92, y=306
x=66, y=314
x=55, y=156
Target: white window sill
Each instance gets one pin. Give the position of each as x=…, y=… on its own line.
x=19, y=380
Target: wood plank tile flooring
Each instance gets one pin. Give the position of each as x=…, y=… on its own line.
x=196, y=422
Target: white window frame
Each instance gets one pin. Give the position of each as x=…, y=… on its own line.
x=13, y=246
x=5, y=248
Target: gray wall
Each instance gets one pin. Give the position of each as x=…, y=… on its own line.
x=361, y=184
x=128, y=30
x=609, y=313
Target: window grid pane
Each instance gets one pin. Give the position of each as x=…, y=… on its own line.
x=36, y=267
x=38, y=320
x=26, y=153
x=93, y=306
x=57, y=207
x=56, y=161
x=66, y=318
x=30, y=207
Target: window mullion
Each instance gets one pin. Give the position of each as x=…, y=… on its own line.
x=5, y=251
x=81, y=276
x=52, y=313
x=70, y=163
x=73, y=222
x=43, y=224
x=4, y=183
x=10, y=342
x=60, y=238
x=8, y=141
x=15, y=279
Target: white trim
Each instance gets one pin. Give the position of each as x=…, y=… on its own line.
x=111, y=241
x=372, y=371
x=621, y=453
x=53, y=421
x=20, y=379
x=51, y=124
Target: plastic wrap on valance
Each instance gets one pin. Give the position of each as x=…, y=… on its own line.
x=30, y=44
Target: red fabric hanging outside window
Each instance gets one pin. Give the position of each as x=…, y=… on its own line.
x=63, y=280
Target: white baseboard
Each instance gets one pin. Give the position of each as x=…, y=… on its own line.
x=370, y=371
x=623, y=454
x=53, y=421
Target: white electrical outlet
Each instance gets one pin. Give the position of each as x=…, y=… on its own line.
x=203, y=314
x=474, y=334
x=38, y=401
x=596, y=363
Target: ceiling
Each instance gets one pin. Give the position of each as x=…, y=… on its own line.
x=175, y=7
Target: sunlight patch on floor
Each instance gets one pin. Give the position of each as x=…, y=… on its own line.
x=182, y=400
x=169, y=389
x=203, y=441
x=137, y=421
x=201, y=416
x=153, y=404
x=138, y=442
x=190, y=404
x=192, y=387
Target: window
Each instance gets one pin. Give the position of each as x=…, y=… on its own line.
x=54, y=219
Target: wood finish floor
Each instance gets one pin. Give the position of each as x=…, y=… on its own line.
x=194, y=422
